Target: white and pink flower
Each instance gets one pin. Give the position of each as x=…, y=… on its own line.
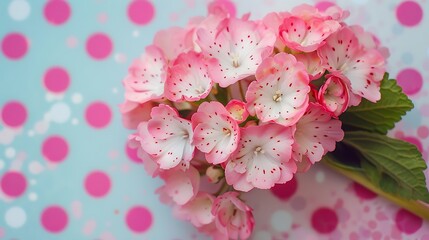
x=334, y=95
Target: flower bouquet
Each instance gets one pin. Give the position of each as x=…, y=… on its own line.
x=226, y=104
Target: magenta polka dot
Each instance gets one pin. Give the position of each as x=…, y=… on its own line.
x=407, y=222
x=56, y=79
x=99, y=46
x=57, y=12
x=13, y=184
x=139, y=219
x=14, y=46
x=324, y=220
x=414, y=141
x=98, y=114
x=141, y=12
x=323, y=5
x=410, y=80
x=54, y=219
x=97, y=184
x=423, y=132
x=55, y=149
x=14, y=114
x=132, y=154
x=285, y=191
x=409, y=13
x=363, y=192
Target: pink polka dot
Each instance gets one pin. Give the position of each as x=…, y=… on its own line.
x=54, y=219
x=132, y=154
x=57, y=12
x=14, y=114
x=407, y=222
x=323, y=5
x=423, y=132
x=409, y=13
x=13, y=184
x=324, y=220
x=222, y=6
x=14, y=46
x=99, y=46
x=55, y=149
x=98, y=114
x=285, y=191
x=97, y=184
x=414, y=141
x=56, y=79
x=410, y=80
x=139, y=219
x=141, y=12
x=363, y=192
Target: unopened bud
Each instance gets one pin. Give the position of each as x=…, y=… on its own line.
x=214, y=174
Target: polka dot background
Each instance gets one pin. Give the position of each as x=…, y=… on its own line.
x=66, y=174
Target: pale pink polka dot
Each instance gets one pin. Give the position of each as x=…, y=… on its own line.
x=423, y=132
x=14, y=46
x=407, y=222
x=99, y=46
x=55, y=149
x=410, y=80
x=13, y=184
x=14, y=114
x=56, y=79
x=141, y=12
x=363, y=192
x=323, y=5
x=57, y=12
x=409, y=13
x=54, y=219
x=98, y=114
x=285, y=191
x=97, y=184
x=132, y=154
x=222, y=6
x=424, y=110
x=324, y=220
x=139, y=219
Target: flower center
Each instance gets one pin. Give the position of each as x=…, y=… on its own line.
x=185, y=136
x=278, y=96
x=235, y=62
x=259, y=150
x=226, y=131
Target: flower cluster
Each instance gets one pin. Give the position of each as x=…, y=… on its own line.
x=236, y=104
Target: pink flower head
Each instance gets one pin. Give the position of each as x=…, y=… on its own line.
x=232, y=216
x=146, y=77
x=216, y=133
x=316, y=134
x=134, y=141
x=312, y=63
x=189, y=79
x=306, y=29
x=334, y=95
x=369, y=40
x=238, y=110
x=168, y=138
x=198, y=210
x=262, y=159
x=238, y=48
x=363, y=68
x=134, y=113
x=171, y=49
x=180, y=186
x=280, y=93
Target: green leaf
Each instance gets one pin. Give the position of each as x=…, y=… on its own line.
x=381, y=116
x=222, y=95
x=394, y=165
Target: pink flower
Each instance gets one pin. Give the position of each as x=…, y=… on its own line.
x=134, y=113
x=180, y=186
x=198, y=211
x=171, y=49
x=280, y=93
x=189, y=79
x=362, y=68
x=221, y=7
x=168, y=138
x=306, y=29
x=146, y=77
x=232, y=216
x=134, y=141
x=238, y=47
x=316, y=134
x=312, y=63
x=334, y=95
x=238, y=110
x=216, y=133
x=262, y=159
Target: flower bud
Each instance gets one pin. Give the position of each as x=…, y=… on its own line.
x=214, y=174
